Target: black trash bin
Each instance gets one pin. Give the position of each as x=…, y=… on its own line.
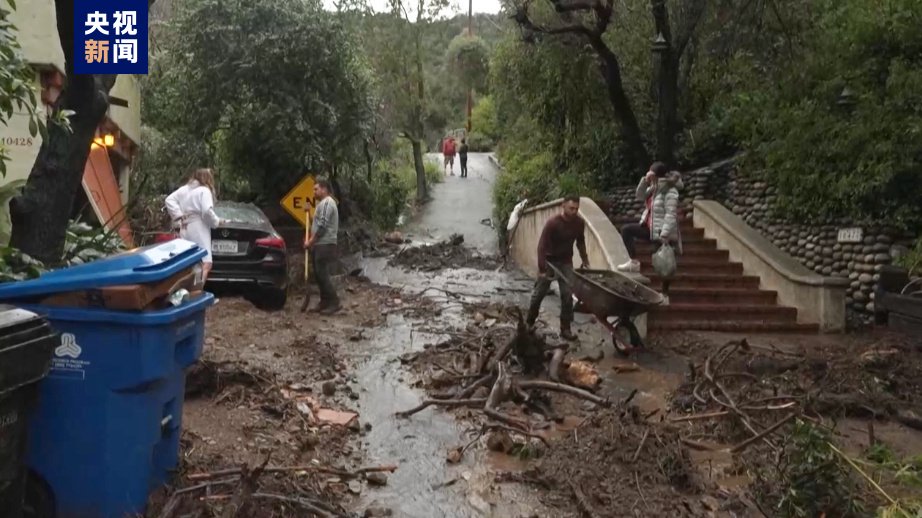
x=26, y=344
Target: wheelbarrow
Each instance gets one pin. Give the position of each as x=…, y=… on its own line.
x=613, y=299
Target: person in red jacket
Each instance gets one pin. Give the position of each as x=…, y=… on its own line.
x=448, y=151
x=556, y=247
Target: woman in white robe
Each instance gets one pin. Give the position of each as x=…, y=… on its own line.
x=191, y=209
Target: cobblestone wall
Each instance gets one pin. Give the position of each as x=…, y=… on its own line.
x=814, y=244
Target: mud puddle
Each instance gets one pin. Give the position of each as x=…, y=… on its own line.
x=425, y=485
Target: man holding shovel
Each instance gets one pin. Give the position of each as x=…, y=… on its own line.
x=322, y=245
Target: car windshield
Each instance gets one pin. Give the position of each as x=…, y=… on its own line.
x=240, y=214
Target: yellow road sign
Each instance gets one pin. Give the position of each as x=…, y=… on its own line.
x=301, y=199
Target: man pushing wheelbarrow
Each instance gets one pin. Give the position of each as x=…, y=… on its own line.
x=555, y=247
x=612, y=298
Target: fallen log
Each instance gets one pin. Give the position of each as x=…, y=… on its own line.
x=502, y=391
x=582, y=503
x=553, y=368
x=292, y=469
x=476, y=402
x=909, y=418
x=765, y=433
x=314, y=506
x=565, y=389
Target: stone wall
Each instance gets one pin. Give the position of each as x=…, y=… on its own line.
x=814, y=244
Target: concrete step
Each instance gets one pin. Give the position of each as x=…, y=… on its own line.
x=707, y=281
x=698, y=268
x=723, y=312
x=742, y=297
x=688, y=247
x=692, y=257
x=692, y=233
x=732, y=327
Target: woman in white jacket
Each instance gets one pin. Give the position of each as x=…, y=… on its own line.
x=191, y=209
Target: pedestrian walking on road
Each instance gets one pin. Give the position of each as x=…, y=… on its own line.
x=462, y=156
x=323, y=246
x=191, y=209
x=556, y=247
x=448, y=151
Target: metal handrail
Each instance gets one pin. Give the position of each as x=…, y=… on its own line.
x=917, y=292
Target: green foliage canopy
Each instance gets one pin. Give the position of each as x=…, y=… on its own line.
x=17, y=81
x=273, y=88
x=828, y=158
x=469, y=57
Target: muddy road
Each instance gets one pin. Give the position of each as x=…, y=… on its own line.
x=314, y=399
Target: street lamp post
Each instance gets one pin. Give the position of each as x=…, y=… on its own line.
x=470, y=90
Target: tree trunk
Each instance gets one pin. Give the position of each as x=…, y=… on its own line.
x=41, y=214
x=421, y=190
x=624, y=112
x=667, y=107
x=368, y=160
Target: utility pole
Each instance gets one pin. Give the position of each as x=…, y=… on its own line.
x=470, y=34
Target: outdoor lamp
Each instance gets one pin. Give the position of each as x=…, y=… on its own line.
x=107, y=140
x=660, y=45
x=846, y=98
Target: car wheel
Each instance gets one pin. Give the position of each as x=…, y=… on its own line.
x=272, y=299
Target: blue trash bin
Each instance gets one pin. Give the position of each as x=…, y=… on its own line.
x=107, y=427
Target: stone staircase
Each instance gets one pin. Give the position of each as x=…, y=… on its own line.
x=711, y=293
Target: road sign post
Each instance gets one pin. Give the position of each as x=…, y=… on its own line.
x=299, y=202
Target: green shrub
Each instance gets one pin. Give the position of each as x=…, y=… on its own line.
x=828, y=159
x=435, y=173
x=86, y=244
x=812, y=479
x=17, y=266
x=483, y=119
x=385, y=198
x=535, y=177
x=479, y=143
x=913, y=260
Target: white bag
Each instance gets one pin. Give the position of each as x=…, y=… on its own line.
x=664, y=261
x=514, y=217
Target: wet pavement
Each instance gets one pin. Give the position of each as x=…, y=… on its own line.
x=425, y=485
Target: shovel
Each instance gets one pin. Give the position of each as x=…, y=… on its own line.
x=307, y=265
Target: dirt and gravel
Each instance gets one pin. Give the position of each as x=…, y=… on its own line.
x=272, y=390
x=694, y=426
x=697, y=454
x=450, y=253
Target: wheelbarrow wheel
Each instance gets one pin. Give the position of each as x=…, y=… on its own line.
x=635, y=338
x=620, y=341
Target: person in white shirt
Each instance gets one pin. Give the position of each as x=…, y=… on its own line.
x=191, y=209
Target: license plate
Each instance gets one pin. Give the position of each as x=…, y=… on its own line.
x=224, y=247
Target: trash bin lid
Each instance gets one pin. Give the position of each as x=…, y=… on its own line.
x=26, y=343
x=140, y=266
x=16, y=325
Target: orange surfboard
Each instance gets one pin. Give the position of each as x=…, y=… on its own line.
x=102, y=190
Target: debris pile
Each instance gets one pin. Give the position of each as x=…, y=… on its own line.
x=618, y=464
x=503, y=374
x=752, y=401
x=758, y=386
x=447, y=254
x=265, y=491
